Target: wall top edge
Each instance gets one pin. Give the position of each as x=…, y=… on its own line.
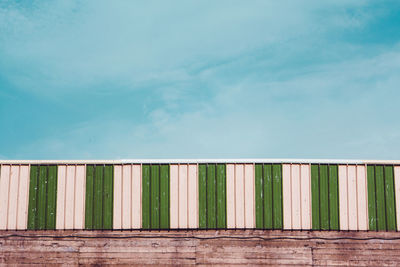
x=199, y=161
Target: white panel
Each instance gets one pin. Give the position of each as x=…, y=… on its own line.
x=80, y=191
x=13, y=198
x=126, y=196
x=250, y=218
x=174, y=196
x=397, y=193
x=136, y=196
x=305, y=197
x=239, y=171
x=23, y=198
x=343, y=200
x=193, y=197
x=4, y=189
x=117, y=213
x=296, y=197
x=70, y=197
x=362, y=198
x=183, y=196
x=60, y=213
x=352, y=197
x=230, y=196
x=287, y=196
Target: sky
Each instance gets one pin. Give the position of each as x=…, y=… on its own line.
x=101, y=79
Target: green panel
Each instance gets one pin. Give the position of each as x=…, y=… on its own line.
x=221, y=196
x=324, y=196
x=277, y=196
x=98, y=197
x=258, y=180
x=202, y=196
x=41, y=206
x=155, y=197
x=333, y=198
x=51, y=197
x=371, y=197
x=268, y=197
x=108, y=197
x=380, y=197
x=211, y=196
x=164, y=197
x=89, y=197
x=315, y=197
x=146, y=196
x=390, y=201
x=33, y=195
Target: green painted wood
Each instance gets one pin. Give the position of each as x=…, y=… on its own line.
x=98, y=197
x=89, y=197
x=380, y=198
x=108, y=196
x=211, y=197
x=41, y=206
x=164, y=197
x=315, y=207
x=277, y=196
x=155, y=197
x=202, y=196
x=146, y=196
x=259, y=192
x=268, y=197
x=390, y=200
x=333, y=198
x=324, y=196
x=51, y=202
x=33, y=196
x=371, y=198
x=221, y=196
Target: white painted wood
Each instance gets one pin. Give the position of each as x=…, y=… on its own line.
x=352, y=197
x=250, y=217
x=362, y=198
x=136, y=196
x=126, y=196
x=296, y=197
x=13, y=198
x=305, y=196
x=397, y=194
x=287, y=196
x=4, y=190
x=240, y=206
x=70, y=197
x=174, y=196
x=230, y=196
x=193, y=219
x=117, y=213
x=80, y=192
x=343, y=199
x=22, y=217
x=183, y=196
x=60, y=213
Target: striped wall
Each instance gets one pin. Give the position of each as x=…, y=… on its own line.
x=287, y=196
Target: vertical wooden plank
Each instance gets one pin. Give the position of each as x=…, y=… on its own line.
x=259, y=196
x=380, y=198
x=296, y=197
x=390, y=201
x=230, y=196
x=80, y=187
x=136, y=196
x=239, y=171
x=192, y=197
x=352, y=197
x=117, y=217
x=277, y=195
x=202, y=196
x=4, y=187
x=60, y=218
x=268, y=197
x=183, y=196
x=362, y=198
x=333, y=198
x=23, y=198
x=324, y=196
x=155, y=197
x=221, y=197
x=305, y=177
x=211, y=197
x=98, y=197
x=146, y=197
x=372, y=223
x=174, y=175
x=89, y=207
x=316, y=225
x=41, y=206
x=108, y=196
x=126, y=196
x=287, y=196
x=33, y=195
x=164, y=197
x=397, y=194
x=13, y=198
x=51, y=197
x=343, y=198
x=249, y=196
x=70, y=197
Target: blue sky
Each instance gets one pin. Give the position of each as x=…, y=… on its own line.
x=199, y=79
